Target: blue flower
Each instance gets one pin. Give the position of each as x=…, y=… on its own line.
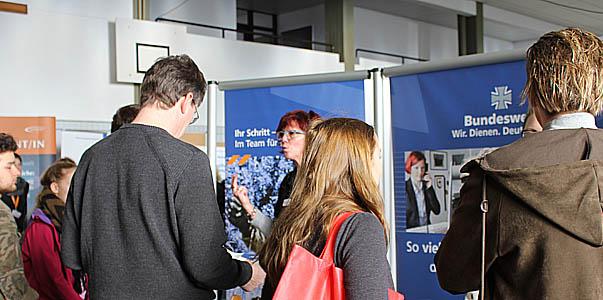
x=262, y=177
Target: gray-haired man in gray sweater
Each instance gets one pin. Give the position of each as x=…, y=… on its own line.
x=141, y=216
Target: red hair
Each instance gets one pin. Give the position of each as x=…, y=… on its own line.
x=413, y=158
x=299, y=117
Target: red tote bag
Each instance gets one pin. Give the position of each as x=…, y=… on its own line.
x=307, y=277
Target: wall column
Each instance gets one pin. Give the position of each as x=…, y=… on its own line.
x=471, y=32
x=339, y=23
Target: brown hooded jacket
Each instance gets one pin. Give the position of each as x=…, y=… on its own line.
x=544, y=227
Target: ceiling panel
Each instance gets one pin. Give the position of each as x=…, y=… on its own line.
x=557, y=14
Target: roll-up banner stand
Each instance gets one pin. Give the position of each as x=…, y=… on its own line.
x=212, y=94
x=383, y=130
x=442, y=115
x=253, y=109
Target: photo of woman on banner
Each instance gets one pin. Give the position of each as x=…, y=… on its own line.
x=421, y=197
x=290, y=132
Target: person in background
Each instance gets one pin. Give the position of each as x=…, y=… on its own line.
x=543, y=225
x=421, y=197
x=141, y=216
x=124, y=115
x=41, y=243
x=291, y=131
x=13, y=284
x=339, y=173
x=17, y=200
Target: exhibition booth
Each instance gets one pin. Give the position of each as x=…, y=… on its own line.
x=449, y=111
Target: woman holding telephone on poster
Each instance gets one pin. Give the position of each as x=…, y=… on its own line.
x=421, y=197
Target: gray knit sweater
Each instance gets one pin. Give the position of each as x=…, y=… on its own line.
x=142, y=220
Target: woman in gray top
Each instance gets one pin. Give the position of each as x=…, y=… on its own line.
x=339, y=173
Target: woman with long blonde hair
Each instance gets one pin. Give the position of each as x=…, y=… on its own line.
x=339, y=173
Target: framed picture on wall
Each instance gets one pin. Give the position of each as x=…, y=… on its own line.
x=439, y=160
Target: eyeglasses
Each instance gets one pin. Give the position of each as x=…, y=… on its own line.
x=195, y=116
x=289, y=134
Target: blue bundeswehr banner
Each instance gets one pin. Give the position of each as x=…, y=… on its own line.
x=440, y=121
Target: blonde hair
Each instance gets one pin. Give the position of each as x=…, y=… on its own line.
x=564, y=72
x=334, y=177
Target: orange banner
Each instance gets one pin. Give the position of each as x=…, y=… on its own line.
x=34, y=135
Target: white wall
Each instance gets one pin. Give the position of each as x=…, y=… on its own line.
x=442, y=42
x=219, y=59
x=493, y=44
x=393, y=34
x=106, y=9
x=58, y=60
x=221, y=13
x=369, y=64
x=312, y=16
x=523, y=44
x=388, y=33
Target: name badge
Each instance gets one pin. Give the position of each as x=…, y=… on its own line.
x=16, y=213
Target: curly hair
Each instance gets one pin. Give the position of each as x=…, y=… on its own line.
x=7, y=143
x=565, y=72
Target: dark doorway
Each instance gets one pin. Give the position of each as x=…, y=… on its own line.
x=300, y=38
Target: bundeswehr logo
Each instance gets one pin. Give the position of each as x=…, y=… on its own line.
x=501, y=97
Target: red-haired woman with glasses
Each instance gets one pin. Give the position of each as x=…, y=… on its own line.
x=291, y=133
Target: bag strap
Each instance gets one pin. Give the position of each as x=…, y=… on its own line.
x=329, y=249
x=484, y=209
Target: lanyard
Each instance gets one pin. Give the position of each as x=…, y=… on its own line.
x=15, y=199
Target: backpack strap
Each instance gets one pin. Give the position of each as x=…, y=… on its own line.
x=484, y=209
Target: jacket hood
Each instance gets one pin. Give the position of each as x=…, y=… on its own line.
x=568, y=195
x=39, y=214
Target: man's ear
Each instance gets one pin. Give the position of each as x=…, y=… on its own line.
x=190, y=98
x=185, y=102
